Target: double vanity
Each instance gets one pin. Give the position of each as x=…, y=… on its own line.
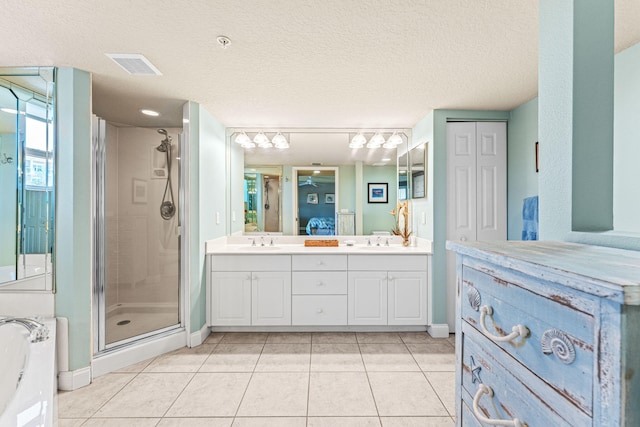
x=371, y=284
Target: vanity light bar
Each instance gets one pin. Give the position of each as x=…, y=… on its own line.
x=261, y=140
x=376, y=141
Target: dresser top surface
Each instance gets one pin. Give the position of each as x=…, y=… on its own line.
x=614, y=269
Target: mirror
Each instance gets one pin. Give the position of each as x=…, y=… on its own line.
x=27, y=161
x=262, y=207
x=312, y=149
x=403, y=181
x=418, y=171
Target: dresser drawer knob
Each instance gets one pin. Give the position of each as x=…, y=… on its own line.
x=474, y=298
x=516, y=331
x=319, y=311
x=558, y=343
x=485, y=389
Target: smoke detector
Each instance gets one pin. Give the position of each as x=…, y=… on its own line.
x=134, y=64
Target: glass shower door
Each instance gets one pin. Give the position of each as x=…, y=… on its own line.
x=137, y=233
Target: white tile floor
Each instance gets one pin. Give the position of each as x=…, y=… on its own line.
x=279, y=379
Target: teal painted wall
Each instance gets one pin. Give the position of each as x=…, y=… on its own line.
x=522, y=179
x=347, y=188
x=376, y=216
x=73, y=261
x=207, y=163
x=626, y=145
x=576, y=117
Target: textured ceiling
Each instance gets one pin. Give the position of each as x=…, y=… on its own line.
x=293, y=63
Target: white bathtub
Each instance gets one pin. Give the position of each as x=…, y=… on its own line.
x=31, y=404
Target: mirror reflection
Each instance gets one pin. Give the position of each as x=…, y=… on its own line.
x=418, y=171
x=312, y=182
x=26, y=176
x=403, y=183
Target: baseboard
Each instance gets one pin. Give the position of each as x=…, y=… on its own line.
x=438, y=330
x=344, y=328
x=198, y=337
x=133, y=354
x=72, y=380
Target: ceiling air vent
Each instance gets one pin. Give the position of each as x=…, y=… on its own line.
x=134, y=64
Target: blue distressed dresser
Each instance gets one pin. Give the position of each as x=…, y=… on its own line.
x=547, y=334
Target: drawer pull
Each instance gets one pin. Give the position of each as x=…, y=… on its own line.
x=516, y=331
x=320, y=284
x=557, y=342
x=484, y=389
x=319, y=311
x=474, y=298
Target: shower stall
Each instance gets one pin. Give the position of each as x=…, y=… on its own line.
x=137, y=290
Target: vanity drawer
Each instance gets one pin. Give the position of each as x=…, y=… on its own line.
x=388, y=262
x=319, y=310
x=319, y=262
x=250, y=262
x=319, y=282
x=517, y=393
x=559, y=347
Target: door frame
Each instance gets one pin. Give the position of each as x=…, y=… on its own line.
x=294, y=189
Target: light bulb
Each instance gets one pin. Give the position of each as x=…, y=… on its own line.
x=261, y=139
x=376, y=141
x=358, y=141
x=280, y=141
x=242, y=138
x=395, y=139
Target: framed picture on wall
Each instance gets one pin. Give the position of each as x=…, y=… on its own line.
x=378, y=192
x=312, y=198
x=330, y=198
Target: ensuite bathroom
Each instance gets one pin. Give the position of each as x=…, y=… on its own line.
x=332, y=222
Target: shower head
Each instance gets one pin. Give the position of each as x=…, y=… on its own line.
x=166, y=142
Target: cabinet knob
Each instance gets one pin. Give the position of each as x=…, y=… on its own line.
x=320, y=284
x=319, y=311
x=463, y=239
x=391, y=278
x=248, y=277
x=320, y=262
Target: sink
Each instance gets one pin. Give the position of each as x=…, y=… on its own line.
x=259, y=248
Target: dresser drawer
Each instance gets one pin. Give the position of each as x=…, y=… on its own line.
x=319, y=262
x=319, y=310
x=319, y=282
x=560, y=341
x=250, y=262
x=517, y=393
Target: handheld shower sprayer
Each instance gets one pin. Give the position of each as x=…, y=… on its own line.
x=167, y=207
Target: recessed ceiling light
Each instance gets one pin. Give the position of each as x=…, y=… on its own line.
x=386, y=160
x=150, y=113
x=185, y=121
x=316, y=172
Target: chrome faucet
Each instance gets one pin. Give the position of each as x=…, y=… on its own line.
x=37, y=331
x=368, y=241
x=253, y=241
x=387, y=242
x=261, y=240
x=378, y=241
x=271, y=242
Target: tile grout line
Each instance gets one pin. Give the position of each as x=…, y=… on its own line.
x=250, y=378
x=366, y=372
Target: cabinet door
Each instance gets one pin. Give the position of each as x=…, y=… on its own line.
x=367, y=298
x=230, y=298
x=271, y=298
x=407, y=294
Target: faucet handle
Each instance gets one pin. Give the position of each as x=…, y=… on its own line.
x=253, y=241
x=387, y=242
x=271, y=243
x=368, y=241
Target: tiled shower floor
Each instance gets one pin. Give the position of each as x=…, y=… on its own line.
x=279, y=379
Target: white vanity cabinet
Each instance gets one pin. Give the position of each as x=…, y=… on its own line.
x=387, y=290
x=319, y=290
x=249, y=290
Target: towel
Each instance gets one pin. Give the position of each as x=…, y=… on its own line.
x=530, y=218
